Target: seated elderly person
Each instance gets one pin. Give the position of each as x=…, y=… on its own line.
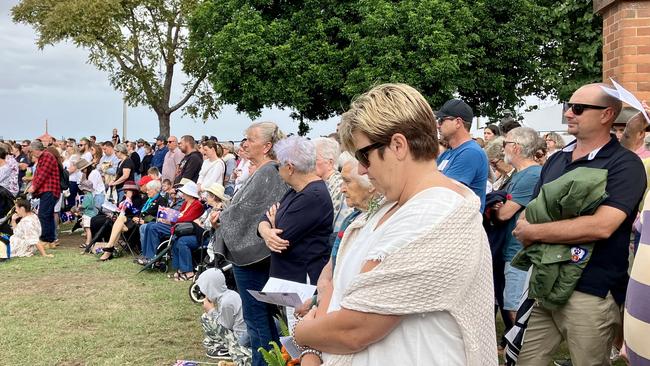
x=182, y=248
x=124, y=224
x=297, y=229
x=128, y=208
x=156, y=232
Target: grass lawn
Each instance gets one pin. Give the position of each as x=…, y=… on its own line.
x=74, y=310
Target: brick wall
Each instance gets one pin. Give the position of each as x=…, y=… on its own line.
x=626, y=44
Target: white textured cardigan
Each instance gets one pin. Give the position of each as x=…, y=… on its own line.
x=449, y=268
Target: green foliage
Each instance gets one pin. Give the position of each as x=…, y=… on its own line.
x=315, y=56
x=274, y=356
x=284, y=328
x=137, y=42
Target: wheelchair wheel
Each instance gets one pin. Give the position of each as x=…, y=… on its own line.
x=195, y=293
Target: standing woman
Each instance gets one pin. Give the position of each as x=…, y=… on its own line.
x=238, y=239
x=415, y=285
x=490, y=132
x=304, y=216
x=72, y=156
x=213, y=167
x=125, y=170
x=8, y=170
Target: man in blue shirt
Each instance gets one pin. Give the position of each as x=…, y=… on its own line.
x=159, y=155
x=464, y=161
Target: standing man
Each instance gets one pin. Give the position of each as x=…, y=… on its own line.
x=190, y=165
x=464, y=161
x=135, y=158
x=23, y=163
x=520, y=146
x=591, y=316
x=140, y=148
x=172, y=159
x=46, y=185
x=160, y=150
x=116, y=137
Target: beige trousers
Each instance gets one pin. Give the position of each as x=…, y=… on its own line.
x=588, y=324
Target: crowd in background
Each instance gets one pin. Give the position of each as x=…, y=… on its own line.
x=415, y=233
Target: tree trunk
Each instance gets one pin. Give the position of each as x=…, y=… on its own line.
x=163, y=123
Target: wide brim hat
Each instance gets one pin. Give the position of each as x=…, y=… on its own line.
x=190, y=188
x=625, y=116
x=86, y=186
x=130, y=185
x=82, y=164
x=217, y=190
x=183, y=182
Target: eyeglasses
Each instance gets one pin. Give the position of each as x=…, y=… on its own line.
x=505, y=143
x=362, y=154
x=578, y=108
x=170, y=141
x=494, y=163
x=442, y=120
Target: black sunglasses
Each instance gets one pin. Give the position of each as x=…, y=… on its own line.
x=578, y=108
x=362, y=154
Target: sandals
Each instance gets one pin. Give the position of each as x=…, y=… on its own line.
x=109, y=251
x=174, y=275
x=142, y=261
x=184, y=277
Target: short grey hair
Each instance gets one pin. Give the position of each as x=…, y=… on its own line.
x=121, y=148
x=345, y=158
x=328, y=148
x=155, y=185
x=527, y=138
x=494, y=149
x=298, y=151
x=37, y=145
x=362, y=179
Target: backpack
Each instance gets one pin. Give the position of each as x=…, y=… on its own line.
x=64, y=178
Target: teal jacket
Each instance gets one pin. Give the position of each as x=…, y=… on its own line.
x=88, y=205
x=557, y=267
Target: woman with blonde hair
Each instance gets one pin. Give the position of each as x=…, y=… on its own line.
x=554, y=142
x=413, y=284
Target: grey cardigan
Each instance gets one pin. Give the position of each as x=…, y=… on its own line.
x=237, y=238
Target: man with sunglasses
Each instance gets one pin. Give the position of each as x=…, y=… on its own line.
x=84, y=149
x=172, y=159
x=591, y=316
x=464, y=161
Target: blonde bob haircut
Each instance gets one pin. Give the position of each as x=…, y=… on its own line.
x=388, y=109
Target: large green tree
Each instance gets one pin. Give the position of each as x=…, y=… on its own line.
x=314, y=56
x=139, y=43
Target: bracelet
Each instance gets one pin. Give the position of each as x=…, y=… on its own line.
x=293, y=338
x=313, y=352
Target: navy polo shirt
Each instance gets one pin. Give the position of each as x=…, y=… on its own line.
x=626, y=184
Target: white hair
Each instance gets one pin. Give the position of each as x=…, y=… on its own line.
x=347, y=158
x=328, y=148
x=298, y=151
x=154, y=184
x=527, y=138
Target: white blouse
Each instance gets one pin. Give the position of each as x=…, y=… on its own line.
x=428, y=338
x=211, y=172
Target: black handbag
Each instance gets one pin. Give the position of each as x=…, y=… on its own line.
x=184, y=229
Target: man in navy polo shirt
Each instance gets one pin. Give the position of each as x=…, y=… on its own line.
x=464, y=161
x=592, y=314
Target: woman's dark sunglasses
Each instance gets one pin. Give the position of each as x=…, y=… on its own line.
x=362, y=154
x=578, y=108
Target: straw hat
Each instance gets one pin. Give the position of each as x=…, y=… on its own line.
x=191, y=189
x=217, y=190
x=130, y=185
x=82, y=164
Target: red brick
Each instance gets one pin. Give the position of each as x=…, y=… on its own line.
x=628, y=50
x=637, y=22
x=627, y=14
x=643, y=50
x=627, y=31
x=643, y=96
x=638, y=77
x=643, y=31
x=643, y=69
x=628, y=68
x=644, y=86
x=635, y=41
x=641, y=13
x=634, y=59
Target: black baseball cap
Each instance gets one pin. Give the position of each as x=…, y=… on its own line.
x=161, y=138
x=455, y=108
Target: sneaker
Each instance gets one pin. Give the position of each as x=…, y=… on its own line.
x=562, y=363
x=615, y=354
x=218, y=353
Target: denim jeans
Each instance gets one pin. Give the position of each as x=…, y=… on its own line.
x=99, y=201
x=182, y=253
x=257, y=315
x=120, y=195
x=46, y=217
x=70, y=201
x=154, y=234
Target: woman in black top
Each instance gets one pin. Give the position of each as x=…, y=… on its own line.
x=125, y=170
x=297, y=229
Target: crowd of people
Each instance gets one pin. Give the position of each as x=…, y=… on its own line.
x=415, y=233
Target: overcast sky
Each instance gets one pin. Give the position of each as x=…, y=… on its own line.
x=77, y=100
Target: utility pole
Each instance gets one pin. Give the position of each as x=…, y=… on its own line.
x=124, y=121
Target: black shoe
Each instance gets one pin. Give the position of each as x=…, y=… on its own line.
x=218, y=353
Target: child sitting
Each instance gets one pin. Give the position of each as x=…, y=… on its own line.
x=87, y=208
x=26, y=227
x=226, y=336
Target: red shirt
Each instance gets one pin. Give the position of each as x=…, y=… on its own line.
x=189, y=214
x=46, y=178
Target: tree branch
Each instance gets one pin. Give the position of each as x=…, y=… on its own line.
x=187, y=97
